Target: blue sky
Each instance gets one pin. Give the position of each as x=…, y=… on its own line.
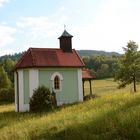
x=95, y=24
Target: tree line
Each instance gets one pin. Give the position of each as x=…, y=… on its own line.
x=7, y=79
x=101, y=66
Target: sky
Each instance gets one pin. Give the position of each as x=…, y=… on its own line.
x=106, y=25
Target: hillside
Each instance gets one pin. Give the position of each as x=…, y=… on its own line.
x=110, y=117
x=82, y=53
x=14, y=57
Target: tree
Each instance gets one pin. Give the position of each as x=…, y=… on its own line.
x=103, y=71
x=8, y=65
x=128, y=69
x=4, y=80
x=41, y=100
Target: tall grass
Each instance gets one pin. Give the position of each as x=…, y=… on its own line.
x=110, y=117
x=115, y=117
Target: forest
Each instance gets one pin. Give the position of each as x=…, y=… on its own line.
x=101, y=66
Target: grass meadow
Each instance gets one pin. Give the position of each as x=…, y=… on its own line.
x=107, y=86
x=114, y=116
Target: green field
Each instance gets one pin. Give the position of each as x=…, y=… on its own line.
x=111, y=117
x=107, y=86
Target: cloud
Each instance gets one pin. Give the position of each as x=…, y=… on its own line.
x=34, y=22
x=6, y=51
x=115, y=24
x=36, y=27
x=40, y=30
x=39, y=23
x=3, y=2
x=6, y=37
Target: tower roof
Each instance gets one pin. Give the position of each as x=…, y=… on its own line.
x=65, y=34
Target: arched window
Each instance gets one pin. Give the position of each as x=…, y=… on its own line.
x=56, y=79
x=56, y=83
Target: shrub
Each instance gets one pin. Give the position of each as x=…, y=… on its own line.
x=41, y=100
x=7, y=95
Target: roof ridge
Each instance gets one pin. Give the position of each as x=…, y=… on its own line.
x=34, y=62
x=46, y=48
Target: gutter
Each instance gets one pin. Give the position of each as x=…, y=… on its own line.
x=17, y=91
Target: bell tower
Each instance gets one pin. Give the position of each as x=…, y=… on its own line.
x=65, y=42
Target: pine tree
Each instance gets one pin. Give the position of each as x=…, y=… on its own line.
x=4, y=80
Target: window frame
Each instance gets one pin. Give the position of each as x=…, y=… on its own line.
x=60, y=78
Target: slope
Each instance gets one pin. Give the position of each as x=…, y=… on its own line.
x=110, y=117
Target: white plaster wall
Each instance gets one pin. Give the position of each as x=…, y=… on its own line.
x=21, y=90
x=80, y=85
x=60, y=103
x=33, y=84
x=25, y=108
x=33, y=80
x=22, y=107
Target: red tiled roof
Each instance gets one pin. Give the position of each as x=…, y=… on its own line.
x=45, y=57
x=86, y=74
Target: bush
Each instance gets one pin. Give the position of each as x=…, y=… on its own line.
x=41, y=100
x=7, y=95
